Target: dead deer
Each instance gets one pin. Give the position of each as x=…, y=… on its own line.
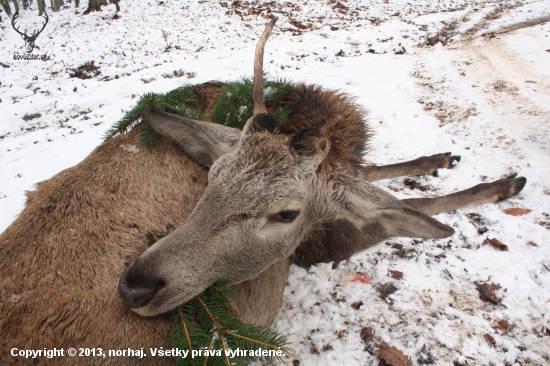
x=298, y=190
x=273, y=194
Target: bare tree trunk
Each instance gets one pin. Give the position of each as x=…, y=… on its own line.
x=95, y=5
x=40, y=4
x=6, y=6
x=76, y=3
x=25, y=4
x=116, y=4
x=16, y=5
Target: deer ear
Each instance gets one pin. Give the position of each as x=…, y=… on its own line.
x=263, y=122
x=405, y=221
x=310, y=143
x=203, y=142
x=378, y=213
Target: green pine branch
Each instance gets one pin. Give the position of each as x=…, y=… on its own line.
x=234, y=108
x=179, y=101
x=209, y=323
x=236, y=103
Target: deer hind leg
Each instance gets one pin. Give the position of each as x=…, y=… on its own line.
x=422, y=165
x=476, y=195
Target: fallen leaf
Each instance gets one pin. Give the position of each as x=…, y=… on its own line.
x=504, y=325
x=396, y=274
x=533, y=243
x=489, y=339
x=357, y=305
x=516, y=211
x=367, y=334
x=548, y=50
x=497, y=243
x=487, y=291
x=393, y=356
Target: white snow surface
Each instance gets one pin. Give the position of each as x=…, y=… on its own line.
x=486, y=98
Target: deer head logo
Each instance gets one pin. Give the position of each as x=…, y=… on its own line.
x=28, y=38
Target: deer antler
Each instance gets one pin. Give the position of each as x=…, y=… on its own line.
x=43, y=26
x=15, y=16
x=259, y=105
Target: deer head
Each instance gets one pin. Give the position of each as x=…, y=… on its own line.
x=28, y=38
x=269, y=187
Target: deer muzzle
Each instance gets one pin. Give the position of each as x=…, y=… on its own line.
x=136, y=288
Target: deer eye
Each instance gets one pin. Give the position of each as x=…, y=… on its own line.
x=287, y=216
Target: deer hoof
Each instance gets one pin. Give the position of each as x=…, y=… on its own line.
x=453, y=159
x=510, y=186
x=444, y=161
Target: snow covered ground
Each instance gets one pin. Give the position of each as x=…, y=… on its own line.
x=471, y=77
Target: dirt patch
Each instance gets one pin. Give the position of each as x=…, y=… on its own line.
x=448, y=113
x=412, y=184
x=401, y=252
x=444, y=36
x=478, y=221
x=251, y=10
x=28, y=117
x=86, y=71
x=385, y=290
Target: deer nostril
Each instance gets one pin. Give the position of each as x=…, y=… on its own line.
x=160, y=285
x=137, y=290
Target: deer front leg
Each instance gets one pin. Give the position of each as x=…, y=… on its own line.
x=477, y=195
x=422, y=165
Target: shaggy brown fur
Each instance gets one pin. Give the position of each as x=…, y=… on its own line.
x=312, y=107
x=207, y=96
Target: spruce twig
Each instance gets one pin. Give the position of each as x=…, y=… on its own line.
x=153, y=235
x=224, y=348
x=209, y=348
x=252, y=340
x=180, y=101
x=185, y=329
x=233, y=109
